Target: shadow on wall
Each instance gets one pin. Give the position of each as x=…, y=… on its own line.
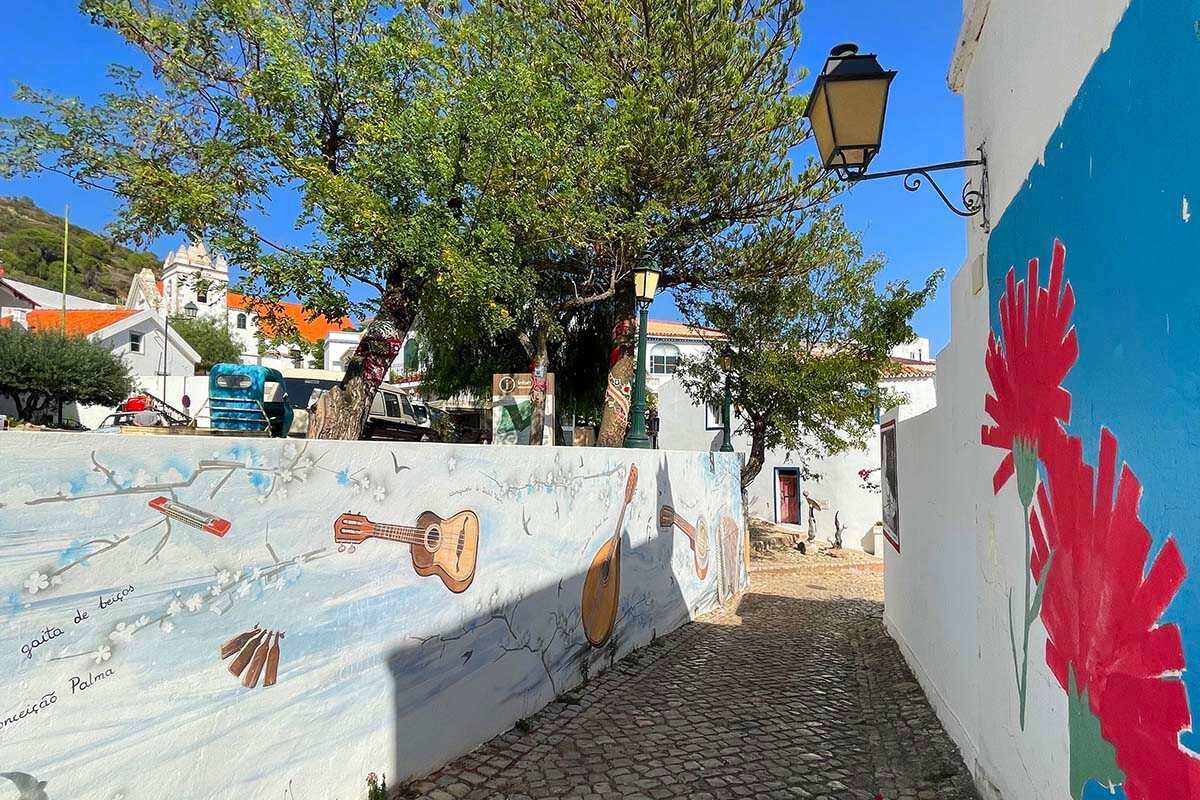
x=514, y=655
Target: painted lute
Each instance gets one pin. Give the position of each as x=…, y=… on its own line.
x=697, y=536
x=602, y=584
x=445, y=547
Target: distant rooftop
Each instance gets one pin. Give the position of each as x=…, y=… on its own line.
x=48, y=298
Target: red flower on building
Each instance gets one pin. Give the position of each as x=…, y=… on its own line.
x=1101, y=610
x=1027, y=366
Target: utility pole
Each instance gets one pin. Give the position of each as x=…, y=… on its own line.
x=66, y=235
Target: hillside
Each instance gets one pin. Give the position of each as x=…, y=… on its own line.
x=31, y=250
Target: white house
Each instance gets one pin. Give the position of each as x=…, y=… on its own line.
x=193, y=283
x=777, y=494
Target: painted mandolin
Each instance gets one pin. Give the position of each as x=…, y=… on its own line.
x=602, y=584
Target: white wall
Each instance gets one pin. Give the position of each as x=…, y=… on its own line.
x=150, y=360
x=682, y=427
x=946, y=590
x=380, y=669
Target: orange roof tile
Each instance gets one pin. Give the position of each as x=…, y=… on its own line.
x=312, y=330
x=80, y=321
x=908, y=368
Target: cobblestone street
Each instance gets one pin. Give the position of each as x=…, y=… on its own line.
x=799, y=693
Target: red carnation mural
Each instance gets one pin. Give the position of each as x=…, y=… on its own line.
x=1099, y=593
x=1027, y=366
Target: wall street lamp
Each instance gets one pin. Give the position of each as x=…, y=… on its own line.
x=846, y=112
x=645, y=284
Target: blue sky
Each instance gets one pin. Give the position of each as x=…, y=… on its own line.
x=50, y=45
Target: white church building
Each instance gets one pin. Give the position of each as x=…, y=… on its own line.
x=194, y=283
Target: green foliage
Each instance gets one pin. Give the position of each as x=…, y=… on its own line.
x=498, y=167
x=40, y=370
x=31, y=250
x=810, y=344
x=210, y=338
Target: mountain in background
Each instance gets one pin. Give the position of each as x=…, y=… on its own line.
x=31, y=249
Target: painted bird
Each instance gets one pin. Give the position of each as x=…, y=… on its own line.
x=29, y=787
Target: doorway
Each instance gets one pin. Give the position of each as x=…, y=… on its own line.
x=787, y=492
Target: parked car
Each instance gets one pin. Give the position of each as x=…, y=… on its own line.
x=393, y=417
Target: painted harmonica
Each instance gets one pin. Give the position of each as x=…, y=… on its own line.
x=184, y=513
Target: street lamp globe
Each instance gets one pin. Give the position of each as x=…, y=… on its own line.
x=645, y=280
x=190, y=310
x=846, y=110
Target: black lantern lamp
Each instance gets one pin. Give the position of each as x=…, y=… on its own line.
x=846, y=112
x=190, y=311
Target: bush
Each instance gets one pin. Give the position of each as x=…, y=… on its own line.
x=43, y=370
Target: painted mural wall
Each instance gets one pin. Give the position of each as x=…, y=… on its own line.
x=1082, y=673
x=238, y=617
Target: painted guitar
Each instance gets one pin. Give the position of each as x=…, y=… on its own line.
x=697, y=536
x=602, y=584
x=446, y=547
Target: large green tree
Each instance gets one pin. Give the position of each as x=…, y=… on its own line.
x=692, y=147
x=41, y=371
x=809, y=345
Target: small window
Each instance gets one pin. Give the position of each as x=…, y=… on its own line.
x=408, y=407
x=297, y=358
x=202, y=294
x=393, y=405
x=714, y=418
x=135, y=342
x=234, y=380
x=663, y=359
x=241, y=322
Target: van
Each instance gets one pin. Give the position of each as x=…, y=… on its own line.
x=393, y=416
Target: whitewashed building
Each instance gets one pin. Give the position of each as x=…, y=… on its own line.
x=195, y=283
x=777, y=494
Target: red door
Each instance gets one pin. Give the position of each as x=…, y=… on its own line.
x=789, y=504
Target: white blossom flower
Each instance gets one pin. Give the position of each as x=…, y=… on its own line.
x=122, y=633
x=195, y=602
x=289, y=450
x=167, y=626
x=36, y=582
x=244, y=589
x=306, y=464
x=366, y=481
x=379, y=494
x=175, y=607
x=283, y=492
x=285, y=475
x=56, y=580
x=357, y=488
x=103, y=653
x=214, y=590
x=224, y=578
x=142, y=621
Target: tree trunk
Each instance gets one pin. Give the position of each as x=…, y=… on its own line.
x=758, y=451
x=616, y=403
x=537, y=397
x=342, y=412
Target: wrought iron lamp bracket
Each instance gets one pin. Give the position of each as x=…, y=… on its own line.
x=974, y=201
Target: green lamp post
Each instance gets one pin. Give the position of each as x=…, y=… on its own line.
x=727, y=366
x=645, y=284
